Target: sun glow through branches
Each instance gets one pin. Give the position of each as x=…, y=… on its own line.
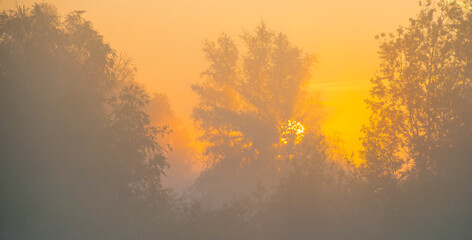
x=291, y=132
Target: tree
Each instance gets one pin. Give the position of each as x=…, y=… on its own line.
x=245, y=103
x=415, y=142
x=420, y=92
x=76, y=148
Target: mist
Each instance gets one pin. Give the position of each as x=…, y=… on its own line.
x=258, y=145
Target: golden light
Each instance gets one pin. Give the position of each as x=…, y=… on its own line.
x=291, y=132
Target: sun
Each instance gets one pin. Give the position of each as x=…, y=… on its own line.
x=291, y=132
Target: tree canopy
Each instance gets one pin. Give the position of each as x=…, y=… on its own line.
x=247, y=100
x=77, y=149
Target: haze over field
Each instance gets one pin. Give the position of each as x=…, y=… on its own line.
x=236, y=119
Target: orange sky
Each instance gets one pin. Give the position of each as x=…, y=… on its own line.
x=164, y=38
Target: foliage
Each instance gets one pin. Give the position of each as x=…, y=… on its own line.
x=77, y=150
x=80, y=158
x=421, y=93
x=415, y=144
x=243, y=102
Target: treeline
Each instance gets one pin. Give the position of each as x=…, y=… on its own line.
x=80, y=158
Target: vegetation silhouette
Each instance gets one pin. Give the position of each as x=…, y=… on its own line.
x=84, y=148
x=244, y=102
x=79, y=158
x=416, y=144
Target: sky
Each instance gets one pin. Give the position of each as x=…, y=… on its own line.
x=165, y=39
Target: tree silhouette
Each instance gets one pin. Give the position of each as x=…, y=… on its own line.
x=420, y=92
x=415, y=142
x=244, y=101
x=79, y=158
